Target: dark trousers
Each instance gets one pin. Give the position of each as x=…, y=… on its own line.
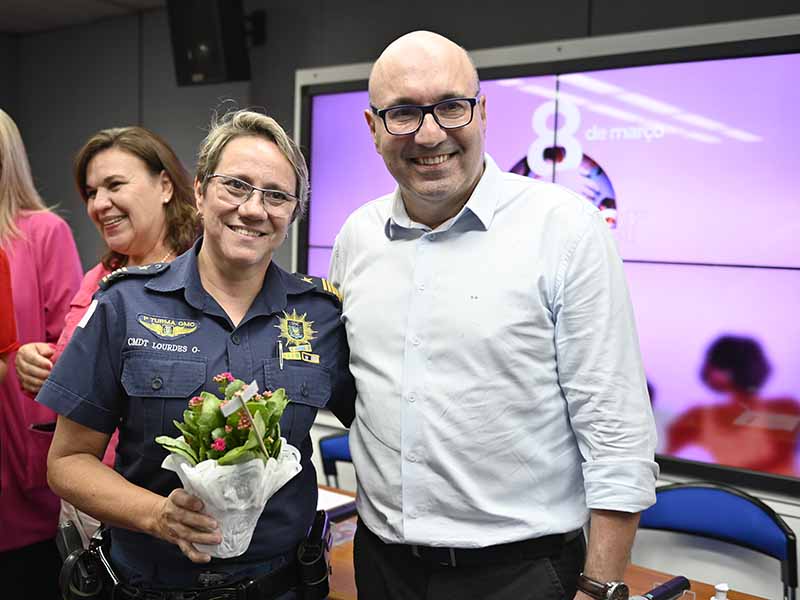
x=392, y=572
x=31, y=572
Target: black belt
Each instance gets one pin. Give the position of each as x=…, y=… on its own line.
x=548, y=545
x=266, y=587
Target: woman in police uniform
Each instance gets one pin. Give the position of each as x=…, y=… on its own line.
x=155, y=337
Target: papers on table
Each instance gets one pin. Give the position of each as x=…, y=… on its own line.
x=339, y=506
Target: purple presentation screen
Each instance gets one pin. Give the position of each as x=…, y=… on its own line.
x=694, y=165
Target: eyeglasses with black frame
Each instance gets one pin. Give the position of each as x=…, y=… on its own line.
x=406, y=119
x=237, y=192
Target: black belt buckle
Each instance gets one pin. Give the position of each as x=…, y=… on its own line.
x=448, y=560
x=231, y=592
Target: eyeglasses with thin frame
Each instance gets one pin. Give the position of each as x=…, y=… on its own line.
x=238, y=192
x=406, y=119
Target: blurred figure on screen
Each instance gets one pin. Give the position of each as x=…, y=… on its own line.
x=747, y=431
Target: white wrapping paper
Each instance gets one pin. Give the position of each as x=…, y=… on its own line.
x=235, y=495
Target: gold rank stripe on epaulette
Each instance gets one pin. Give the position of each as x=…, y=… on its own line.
x=123, y=272
x=322, y=285
x=331, y=289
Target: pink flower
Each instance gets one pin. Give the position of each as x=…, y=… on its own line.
x=228, y=428
x=195, y=401
x=268, y=394
x=244, y=422
x=218, y=445
x=223, y=377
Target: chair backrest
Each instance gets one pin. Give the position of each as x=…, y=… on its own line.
x=727, y=514
x=334, y=448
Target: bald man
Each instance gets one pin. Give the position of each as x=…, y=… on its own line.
x=501, y=395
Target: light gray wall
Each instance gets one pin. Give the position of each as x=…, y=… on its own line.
x=106, y=74
x=73, y=82
x=179, y=114
x=9, y=56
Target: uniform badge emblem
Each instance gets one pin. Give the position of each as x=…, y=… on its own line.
x=295, y=329
x=165, y=327
x=298, y=333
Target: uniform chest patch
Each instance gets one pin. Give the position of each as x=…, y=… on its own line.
x=295, y=329
x=298, y=333
x=165, y=327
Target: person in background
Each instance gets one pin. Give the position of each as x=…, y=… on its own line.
x=139, y=196
x=8, y=324
x=746, y=430
x=45, y=274
x=239, y=309
x=501, y=395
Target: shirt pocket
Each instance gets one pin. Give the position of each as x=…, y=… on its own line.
x=307, y=385
x=159, y=388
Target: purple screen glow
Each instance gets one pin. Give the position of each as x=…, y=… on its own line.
x=696, y=165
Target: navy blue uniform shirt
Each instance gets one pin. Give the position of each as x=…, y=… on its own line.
x=154, y=340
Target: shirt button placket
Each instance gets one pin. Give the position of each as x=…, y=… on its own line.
x=239, y=358
x=415, y=375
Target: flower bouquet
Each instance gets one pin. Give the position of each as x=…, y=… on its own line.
x=232, y=456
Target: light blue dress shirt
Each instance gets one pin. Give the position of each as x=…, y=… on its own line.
x=500, y=387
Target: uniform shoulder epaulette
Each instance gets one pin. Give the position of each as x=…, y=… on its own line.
x=321, y=285
x=123, y=272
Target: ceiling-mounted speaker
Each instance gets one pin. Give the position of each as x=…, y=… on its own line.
x=209, y=42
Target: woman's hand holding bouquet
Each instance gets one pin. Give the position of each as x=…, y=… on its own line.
x=232, y=457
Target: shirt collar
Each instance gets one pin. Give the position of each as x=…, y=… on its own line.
x=477, y=213
x=184, y=275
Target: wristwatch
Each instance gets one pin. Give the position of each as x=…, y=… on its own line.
x=612, y=590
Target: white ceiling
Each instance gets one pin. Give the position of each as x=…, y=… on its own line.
x=29, y=16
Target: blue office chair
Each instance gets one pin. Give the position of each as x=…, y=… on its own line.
x=724, y=513
x=334, y=448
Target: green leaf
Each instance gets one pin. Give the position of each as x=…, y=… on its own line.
x=190, y=419
x=251, y=443
x=237, y=455
x=210, y=417
x=275, y=406
x=219, y=432
x=233, y=387
x=258, y=425
x=178, y=446
x=276, y=448
x=233, y=419
x=188, y=434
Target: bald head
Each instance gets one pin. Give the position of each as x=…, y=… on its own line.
x=436, y=166
x=415, y=55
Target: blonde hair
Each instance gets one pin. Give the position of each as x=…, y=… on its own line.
x=17, y=192
x=247, y=122
x=183, y=225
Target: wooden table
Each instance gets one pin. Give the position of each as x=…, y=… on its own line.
x=639, y=579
